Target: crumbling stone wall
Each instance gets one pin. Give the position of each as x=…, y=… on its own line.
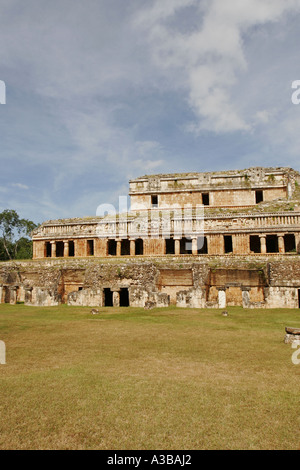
x=205, y=283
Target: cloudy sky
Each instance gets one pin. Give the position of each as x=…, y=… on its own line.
x=101, y=91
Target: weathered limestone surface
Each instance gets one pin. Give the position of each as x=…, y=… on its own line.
x=253, y=211
x=226, y=188
x=291, y=335
x=199, y=240
x=183, y=281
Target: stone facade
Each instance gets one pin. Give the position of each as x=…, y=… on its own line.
x=245, y=212
x=213, y=282
x=193, y=240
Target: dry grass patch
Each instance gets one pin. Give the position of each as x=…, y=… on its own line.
x=130, y=379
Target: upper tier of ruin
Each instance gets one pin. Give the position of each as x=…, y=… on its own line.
x=234, y=188
x=250, y=211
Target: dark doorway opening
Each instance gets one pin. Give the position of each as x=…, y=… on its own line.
x=90, y=247
x=108, y=297
x=124, y=297
x=48, y=250
x=112, y=247
x=139, y=246
x=170, y=246
x=289, y=242
x=186, y=246
x=228, y=243
x=298, y=298
x=6, y=295
x=202, y=245
x=259, y=196
x=154, y=201
x=205, y=199
x=59, y=249
x=255, y=243
x=272, y=243
x=125, y=247
x=71, y=248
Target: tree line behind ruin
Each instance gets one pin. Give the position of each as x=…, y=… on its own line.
x=15, y=241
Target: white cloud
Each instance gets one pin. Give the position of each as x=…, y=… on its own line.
x=115, y=85
x=20, y=186
x=263, y=116
x=210, y=61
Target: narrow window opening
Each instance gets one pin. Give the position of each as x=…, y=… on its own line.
x=154, y=201
x=71, y=248
x=228, y=243
x=205, y=199
x=298, y=298
x=259, y=196
x=48, y=250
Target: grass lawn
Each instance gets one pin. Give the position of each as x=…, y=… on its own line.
x=161, y=379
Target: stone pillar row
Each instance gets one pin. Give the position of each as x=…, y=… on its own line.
x=215, y=245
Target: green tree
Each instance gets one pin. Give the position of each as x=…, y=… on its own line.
x=15, y=232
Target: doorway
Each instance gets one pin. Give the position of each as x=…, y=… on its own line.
x=59, y=249
x=108, y=297
x=124, y=297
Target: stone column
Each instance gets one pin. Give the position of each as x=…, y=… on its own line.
x=195, y=246
x=297, y=240
x=222, y=297
x=66, y=248
x=13, y=295
x=246, y=296
x=281, y=244
x=53, y=249
x=263, y=244
x=118, y=253
x=116, y=298
x=132, y=247
x=1, y=293
x=28, y=295
x=177, y=246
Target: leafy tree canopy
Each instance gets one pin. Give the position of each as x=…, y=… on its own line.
x=15, y=233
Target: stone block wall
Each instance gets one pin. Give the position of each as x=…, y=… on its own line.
x=181, y=281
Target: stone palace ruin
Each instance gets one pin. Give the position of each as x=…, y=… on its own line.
x=198, y=240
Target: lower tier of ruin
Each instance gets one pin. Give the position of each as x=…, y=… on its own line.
x=266, y=281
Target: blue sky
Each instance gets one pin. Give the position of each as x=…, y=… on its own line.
x=99, y=92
